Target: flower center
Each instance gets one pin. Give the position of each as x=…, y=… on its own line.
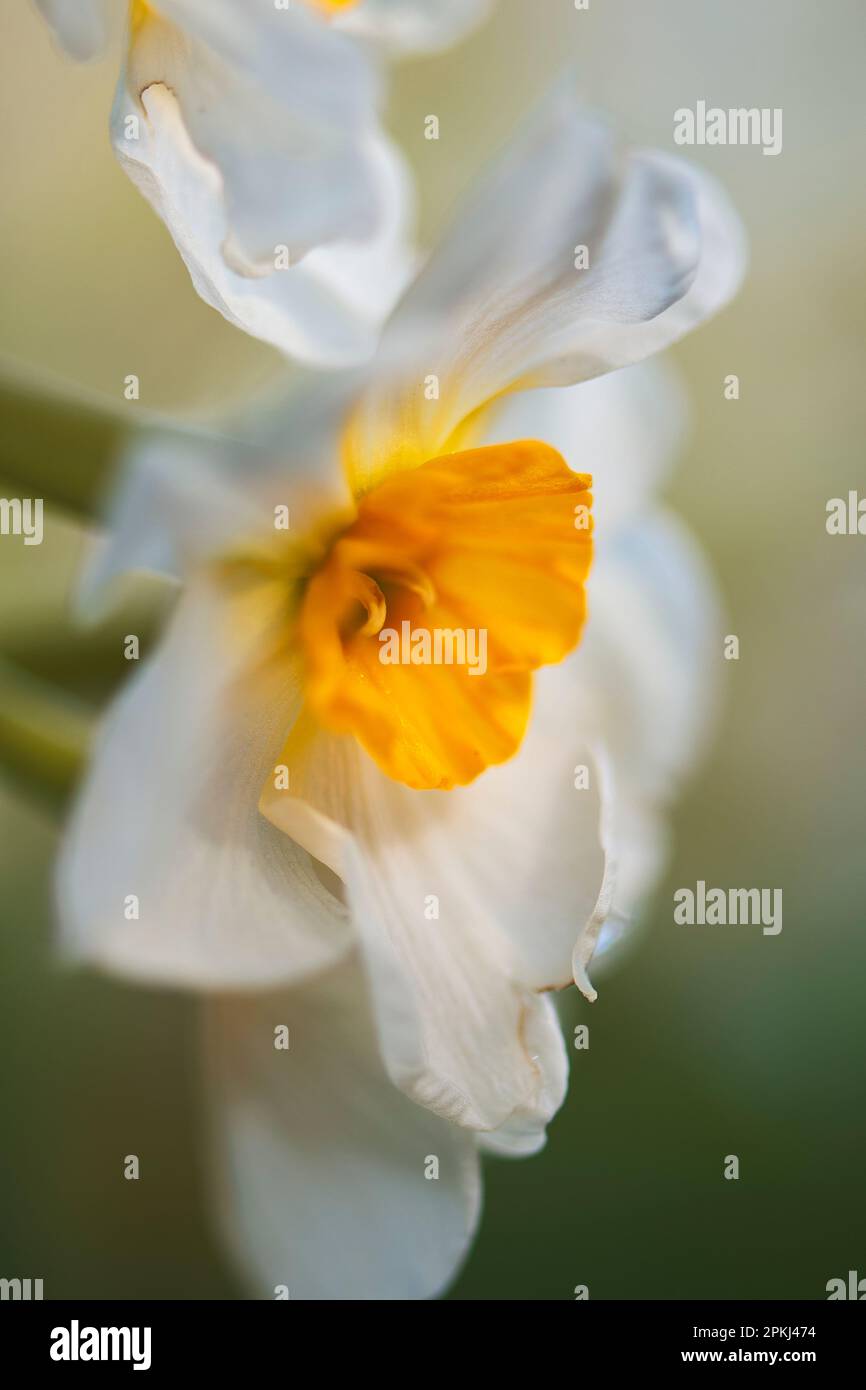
x=422, y=625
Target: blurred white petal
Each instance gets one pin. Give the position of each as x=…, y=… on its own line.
x=500, y=304
x=414, y=26
x=184, y=495
x=326, y=308
x=80, y=25
x=642, y=837
x=321, y=1184
x=169, y=814
x=282, y=105
x=176, y=504
x=649, y=675
x=650, y=661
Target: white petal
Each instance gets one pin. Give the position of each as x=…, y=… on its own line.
x=518, y=867
x=648, y=672
x=282, y=105
x=524, y=845
x=721, y=265
x=624, y=429
x=80, y=25
x=326, y=308
x=657, y=232
x=650, y=662
x=169, y=814
x=179, y=500
x=414, y=26
x=642, y=839
x=300, y=60
x=500, y=304
x=322, y=1162
x=186, y=495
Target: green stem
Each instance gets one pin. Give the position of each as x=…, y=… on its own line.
x=58, y=447
x=44, y=737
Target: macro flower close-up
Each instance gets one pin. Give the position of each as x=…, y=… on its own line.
x=304, y=710
x=407, y=547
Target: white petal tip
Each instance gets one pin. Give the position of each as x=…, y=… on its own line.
x=581, y=979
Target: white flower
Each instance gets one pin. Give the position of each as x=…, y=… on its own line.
x=413, y=933
x=253, y=131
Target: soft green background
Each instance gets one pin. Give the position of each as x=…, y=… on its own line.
x=703, y=1043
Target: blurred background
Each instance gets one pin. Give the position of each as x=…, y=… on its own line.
x=702, y=1043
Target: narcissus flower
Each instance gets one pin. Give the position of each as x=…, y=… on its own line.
x=416, y=854
x=253, y=131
